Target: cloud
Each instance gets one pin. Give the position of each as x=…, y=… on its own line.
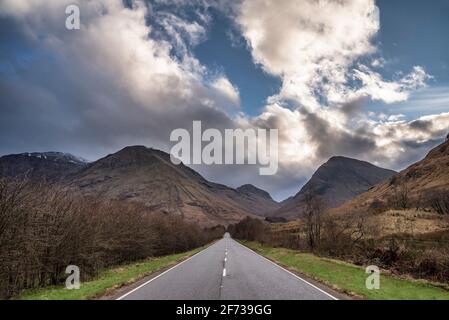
x=427, y=100
x=308, y=43
x=227, y=89
x=129, y=76
x=114, y=82
x=324, y=52
x=313, y=46
x=389, y=92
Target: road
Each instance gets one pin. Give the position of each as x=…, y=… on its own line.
x=227, y=270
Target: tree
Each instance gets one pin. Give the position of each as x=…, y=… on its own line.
x=400, y=198
x=313, y=211
x=439, y=202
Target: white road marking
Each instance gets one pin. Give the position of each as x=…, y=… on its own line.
x=224, y=264
x=296, y=276
x=224, y=272
x=152, y=279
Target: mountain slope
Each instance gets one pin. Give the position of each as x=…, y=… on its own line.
x=149, y=177
x=49, y=165
x=259, y=201
x=421, y=179
x=335, y=182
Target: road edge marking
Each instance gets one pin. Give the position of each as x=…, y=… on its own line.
x=295, y=275
x=166, y=271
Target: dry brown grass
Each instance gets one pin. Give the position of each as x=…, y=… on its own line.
x=414, y=222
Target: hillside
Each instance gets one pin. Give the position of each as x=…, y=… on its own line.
x=52, y=166
x=419, y=181
x=148, y=176
x=335, y=182
x=260, y=201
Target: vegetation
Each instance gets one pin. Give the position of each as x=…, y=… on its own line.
x=356, y=239
x=440, y=202
x=400, y=197
x=43, y=229
x=351, y=278
x=107, y=279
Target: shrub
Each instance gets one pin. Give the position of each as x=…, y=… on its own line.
x=43, y=229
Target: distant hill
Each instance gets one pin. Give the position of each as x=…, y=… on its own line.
x=338, y=180
x=52, y=166
x=420, y=181
x=260, y=201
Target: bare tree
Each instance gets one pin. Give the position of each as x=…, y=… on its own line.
x=312, y=212
x=439, y=202
x=400, y=198
x=44, y=228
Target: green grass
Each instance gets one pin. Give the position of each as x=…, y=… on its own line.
x=350, y=278
x=107, y=279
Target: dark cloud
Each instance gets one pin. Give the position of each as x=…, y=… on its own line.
x=70, y=97
x=353, y=107
x=331, y=141
x=421, y=125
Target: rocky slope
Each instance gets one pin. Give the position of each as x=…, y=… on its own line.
x=149, y=177
x=419, y=181
x=338, y=180
x=260, y=201
x=52, y=166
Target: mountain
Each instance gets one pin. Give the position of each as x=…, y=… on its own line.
x=146, y=176
x=335, y=182
x=149, y=177
x=49, y=165
x=420, y=180
x=260, y=201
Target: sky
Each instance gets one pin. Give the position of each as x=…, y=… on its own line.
x=359, y=78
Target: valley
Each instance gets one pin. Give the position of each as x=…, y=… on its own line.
x=349, y=210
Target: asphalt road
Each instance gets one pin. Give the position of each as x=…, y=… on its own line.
x=227, y=271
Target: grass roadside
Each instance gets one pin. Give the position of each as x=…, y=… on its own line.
x=350, y=278
x=108, y=279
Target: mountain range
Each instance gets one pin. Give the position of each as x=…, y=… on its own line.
x=49, y=165
x=147, y=176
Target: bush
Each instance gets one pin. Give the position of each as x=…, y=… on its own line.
x=43, y=229
x=439, y=201
x=249, y=229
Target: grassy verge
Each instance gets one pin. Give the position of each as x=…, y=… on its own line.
x=108, y=279
x=350, y=278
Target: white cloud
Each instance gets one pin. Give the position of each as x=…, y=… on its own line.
x=316, y=47
x=427, y=100
x=313, y=46
x=17, y=8
x=227, y=89
x=375, y=87
x=308, y=43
